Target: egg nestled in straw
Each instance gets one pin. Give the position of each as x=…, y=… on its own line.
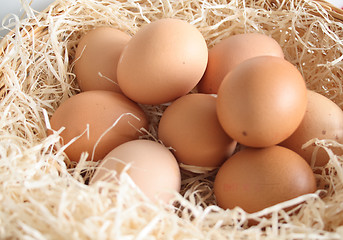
x=323, y=120
x=224, y=56
x=190, y=126
x=151, y=166
x=257, y=178
x=96, y=122
x=97, y=57
x=262, y=101
x=164, y=60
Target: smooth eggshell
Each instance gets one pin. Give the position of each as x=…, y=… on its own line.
x=163, y=61
x=153, y=168
x=229, y=52
x=100, y=110
x=191, y=127
x=257, y=178
x=97, y=57
x=262, y=101
x=323, y=120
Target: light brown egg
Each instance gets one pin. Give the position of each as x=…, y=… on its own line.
x=191, y=127
x=163, y=61
x=262, y=101
x=153, y=168
x=99, y=110
x=229, y=52
x=256, y=178
x=323, y=120
x=97, y=57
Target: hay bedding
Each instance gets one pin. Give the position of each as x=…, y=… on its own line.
x=43, y=196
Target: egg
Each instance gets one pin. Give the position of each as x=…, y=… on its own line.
x=97, y=57
x=190, y=126
x=257, y=178
x=229, y=52
x=98, y=112
x=153, y=168
x=323, y=120
x=164, y=60
x=262, y=101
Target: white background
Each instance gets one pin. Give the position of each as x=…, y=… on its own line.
x=338, y=3
x=9, y=7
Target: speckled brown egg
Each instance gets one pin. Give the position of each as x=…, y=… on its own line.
x=191, y=127
x=97, y=57
x=164, y=60
x=262, y=101
x=323, y=120
x=257, y=178
x=98, y=112
x=153, y=168
x=229, y=52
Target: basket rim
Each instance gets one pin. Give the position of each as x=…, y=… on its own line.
x=334, y=11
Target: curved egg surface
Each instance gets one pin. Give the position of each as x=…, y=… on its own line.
x=99, y=121
x=164, y=60
x=153, y=168
x=228, y=53
x=257, y=178
x=262, y=101
x=97, y=57
x=190, y=126
x=323, y=120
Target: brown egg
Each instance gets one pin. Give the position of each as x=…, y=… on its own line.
x=256, y=178
x=97, y=57
x=163, y=61
x=262, y=101
x=228, y=53
x=153, y=168
x=323, y=120
x=100, y=110
x=190, y=126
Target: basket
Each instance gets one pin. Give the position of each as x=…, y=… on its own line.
x=43, y=196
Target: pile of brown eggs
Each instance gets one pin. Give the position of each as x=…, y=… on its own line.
x=246, y=93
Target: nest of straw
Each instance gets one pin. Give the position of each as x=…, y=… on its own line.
x=42, y=196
